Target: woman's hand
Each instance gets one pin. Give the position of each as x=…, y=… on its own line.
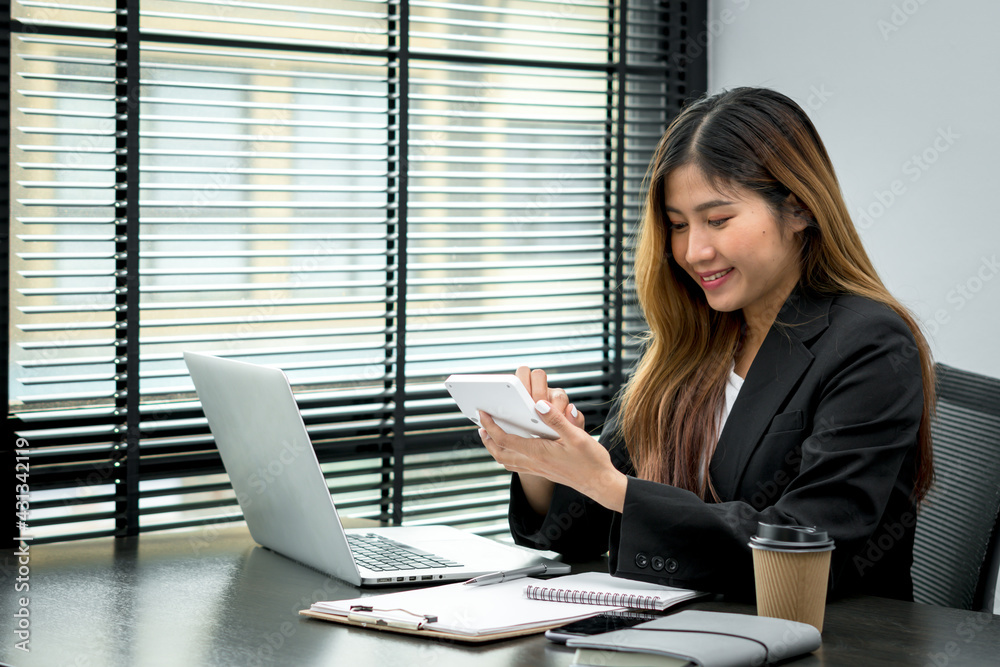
x=537, y=384
x=575, y=460
x=538, y=490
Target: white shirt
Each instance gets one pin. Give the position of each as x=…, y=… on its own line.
x=733, y=386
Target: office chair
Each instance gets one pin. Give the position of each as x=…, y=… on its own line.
x=955, y=546
x=990, y=578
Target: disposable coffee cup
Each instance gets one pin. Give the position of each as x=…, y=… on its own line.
x=791, y=566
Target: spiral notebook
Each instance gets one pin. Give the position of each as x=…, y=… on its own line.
x=602, y=588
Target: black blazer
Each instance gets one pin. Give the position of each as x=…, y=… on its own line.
x=823, y=433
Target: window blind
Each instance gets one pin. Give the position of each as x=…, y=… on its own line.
x=369, y=195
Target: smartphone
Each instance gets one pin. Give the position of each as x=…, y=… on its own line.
x=595, y=625
x=502, y=397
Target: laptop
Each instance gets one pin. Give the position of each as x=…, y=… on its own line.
x=287, y=505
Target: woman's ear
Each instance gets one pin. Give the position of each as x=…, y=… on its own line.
x=800, y=216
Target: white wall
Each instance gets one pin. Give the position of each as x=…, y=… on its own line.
x=906, y=95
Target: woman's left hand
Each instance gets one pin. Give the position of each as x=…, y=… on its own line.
x=575, y=460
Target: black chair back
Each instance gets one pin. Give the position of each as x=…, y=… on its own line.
x=956, y=524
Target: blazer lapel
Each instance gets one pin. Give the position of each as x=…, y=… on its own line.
x=782, y=359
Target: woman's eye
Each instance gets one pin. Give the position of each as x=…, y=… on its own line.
x=718, y=222
x=677, y=226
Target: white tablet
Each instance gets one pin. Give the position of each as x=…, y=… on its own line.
x=502, y=397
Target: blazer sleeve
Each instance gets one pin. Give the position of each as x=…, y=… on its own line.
x=856, y=455
x=575, y=525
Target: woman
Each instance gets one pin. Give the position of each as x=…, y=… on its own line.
x=780, y=382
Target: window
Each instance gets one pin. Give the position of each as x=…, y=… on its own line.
x=369, y=195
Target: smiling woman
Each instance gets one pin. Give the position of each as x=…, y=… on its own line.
x=780, y=382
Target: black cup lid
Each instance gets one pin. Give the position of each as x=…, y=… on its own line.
x=790, y=537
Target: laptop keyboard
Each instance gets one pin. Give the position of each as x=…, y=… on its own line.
x=381, y=555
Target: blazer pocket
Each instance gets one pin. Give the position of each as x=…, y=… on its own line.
x=787, y=421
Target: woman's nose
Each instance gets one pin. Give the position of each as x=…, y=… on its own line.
x=700, y=247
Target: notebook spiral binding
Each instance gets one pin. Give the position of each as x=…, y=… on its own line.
x=647, y=602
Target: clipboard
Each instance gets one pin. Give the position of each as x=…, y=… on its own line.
x=431, y=633
x=456, y=612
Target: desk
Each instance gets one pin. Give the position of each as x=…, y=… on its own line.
x=211, y=597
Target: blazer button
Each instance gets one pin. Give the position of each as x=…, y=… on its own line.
x=671, y=565
x=656, y=562
x=641, y=560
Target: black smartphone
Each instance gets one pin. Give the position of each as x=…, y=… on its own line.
x=596, y=625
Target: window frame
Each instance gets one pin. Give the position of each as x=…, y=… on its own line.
x=684, y=74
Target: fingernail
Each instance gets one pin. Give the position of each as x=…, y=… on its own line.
x=543, y=407
x=483, y=434
x=573, y=411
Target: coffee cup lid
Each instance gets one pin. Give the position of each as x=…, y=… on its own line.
x=790, y=538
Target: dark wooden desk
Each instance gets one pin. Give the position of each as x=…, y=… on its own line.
x=211, y=597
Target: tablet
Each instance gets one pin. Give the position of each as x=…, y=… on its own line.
x=502, y=397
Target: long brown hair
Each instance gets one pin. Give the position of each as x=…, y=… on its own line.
x=759, y=140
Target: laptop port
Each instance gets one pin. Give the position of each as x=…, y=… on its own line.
x=426, y=577
x=384, y=580
x=413, y=578
x=400, y=578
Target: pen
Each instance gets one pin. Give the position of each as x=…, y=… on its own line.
x=498, y=577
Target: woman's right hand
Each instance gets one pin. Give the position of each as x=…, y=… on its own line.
x=574, y=459
x=538, y=490
x=536, y=382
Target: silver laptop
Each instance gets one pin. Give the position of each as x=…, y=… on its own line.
x=286, y=502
